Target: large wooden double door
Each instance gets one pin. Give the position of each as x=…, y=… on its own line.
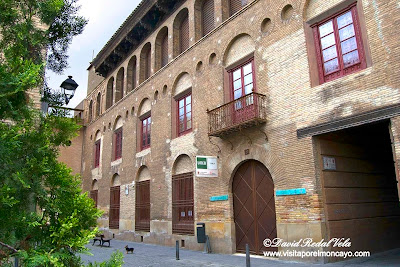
x=254, y=207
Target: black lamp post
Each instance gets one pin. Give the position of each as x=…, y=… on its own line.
x=68, y=86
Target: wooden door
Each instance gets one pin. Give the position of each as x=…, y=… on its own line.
x=183, y=204
x=142, y=207
x=114, y=207
x=254, y=207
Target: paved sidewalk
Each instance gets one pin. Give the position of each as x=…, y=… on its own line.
x=146, y=255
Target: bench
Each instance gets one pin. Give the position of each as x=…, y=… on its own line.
x=95, y=239
x=101, y=239
x=104, y=240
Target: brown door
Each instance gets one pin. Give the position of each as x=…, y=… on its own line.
x=114, y=207
x=254, y=207
x=182, y=204
x=142, y=213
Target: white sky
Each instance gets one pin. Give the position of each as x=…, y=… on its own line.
x=105, y=17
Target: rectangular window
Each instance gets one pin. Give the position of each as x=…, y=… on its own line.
x=339, y=46
x=242, y=83
x=118, y=144
x=97, y=153
x=184, y=114
x=146, y=130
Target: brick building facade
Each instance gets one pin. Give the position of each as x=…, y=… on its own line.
x=288, y=94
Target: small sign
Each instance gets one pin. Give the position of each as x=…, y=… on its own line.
x=290, y=192
x=219, y=198
x=206, y=166
x=329, y=163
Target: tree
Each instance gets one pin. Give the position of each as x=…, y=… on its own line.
x=45, y=219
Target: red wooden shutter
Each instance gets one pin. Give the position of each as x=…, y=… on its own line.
x=142, y=206
x=114, y=207
x=208, y=16
x=182, y=204
x=184, y=34
x=148, y=64
x=164, y=51
x=236, y=5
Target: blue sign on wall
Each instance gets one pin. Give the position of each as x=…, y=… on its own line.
x=290, y=192
x=219, y=198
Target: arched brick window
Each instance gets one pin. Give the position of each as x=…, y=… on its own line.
x=145, y=62
x=184, y=34
x=110, y=93
x=164, y=51
x=131, y=74
x=98, y=105
x=161, y=48
x=119, y=88
x=208, y=22
x=91, y=111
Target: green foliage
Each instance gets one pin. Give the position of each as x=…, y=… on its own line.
x=116, y=260
x=45, y=218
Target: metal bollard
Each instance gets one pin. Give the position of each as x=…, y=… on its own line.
x=177, y=250
x=247, y=256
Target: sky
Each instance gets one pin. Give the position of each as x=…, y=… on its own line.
x=105, y=17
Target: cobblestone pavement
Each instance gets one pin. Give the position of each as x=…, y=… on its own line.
x=146, y=255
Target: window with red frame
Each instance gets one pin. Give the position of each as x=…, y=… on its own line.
x=184, y=114
x=97, y=153
x=242, y=82
x=339, y=45
x=146, y=129
x=118, y=144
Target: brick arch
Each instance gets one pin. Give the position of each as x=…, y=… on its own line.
x=118, y=122
x=311, y=9
x=237, y=158
x=177, y=36
x=95, y=185
x=182, y=163
x=115, y=180
x=182, y=82
x=161, y=48
x=143, y=174
x=144, y=107
x=247, y=44
x=97, y=135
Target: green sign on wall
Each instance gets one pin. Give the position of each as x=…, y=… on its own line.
x=201, y=163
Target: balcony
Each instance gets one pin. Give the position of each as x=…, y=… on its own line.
x=244, y=112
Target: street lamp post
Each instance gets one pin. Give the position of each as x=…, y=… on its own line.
x=68, y=86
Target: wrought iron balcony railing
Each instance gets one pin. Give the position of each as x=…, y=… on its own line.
x=244, y=112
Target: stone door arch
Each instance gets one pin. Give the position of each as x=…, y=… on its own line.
x=253, y=207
